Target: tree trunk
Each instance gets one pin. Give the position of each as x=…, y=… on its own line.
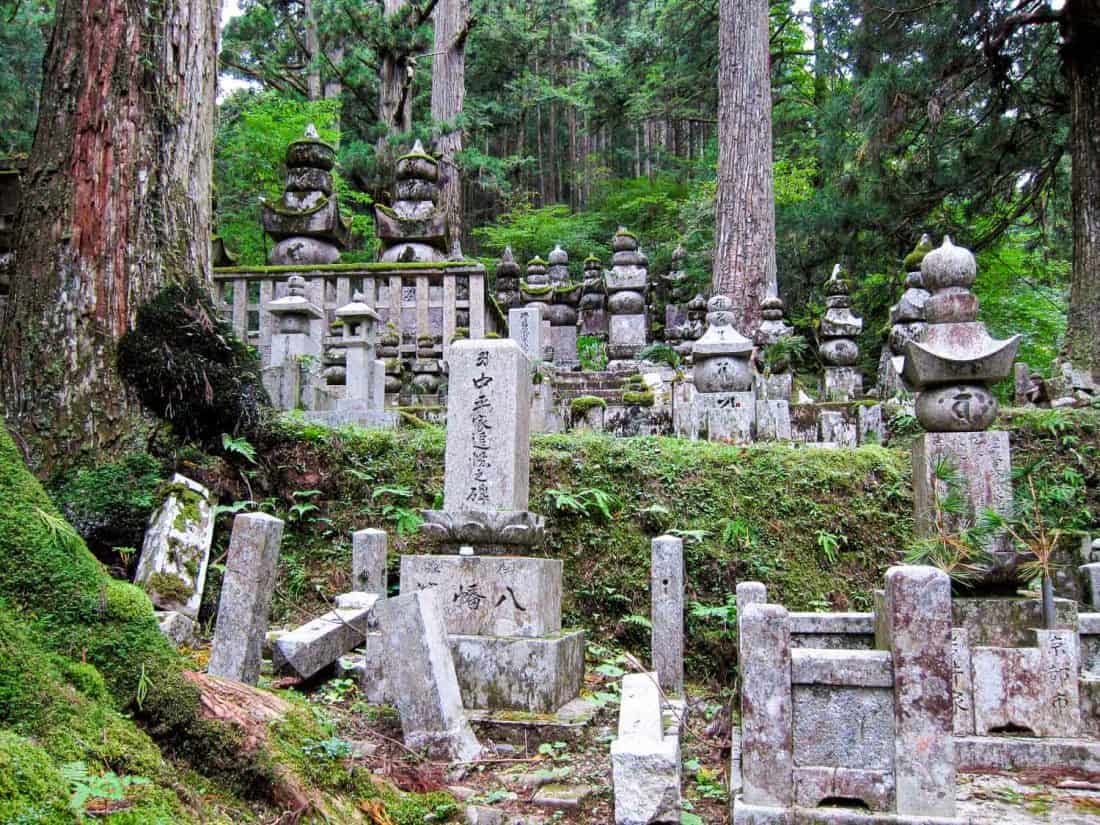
x=744, y=255
x=1081, y=33
x=394, y=106
x=313, y=49
x=452, y=19
x=116, y=204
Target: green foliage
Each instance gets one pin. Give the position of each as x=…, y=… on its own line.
x=406, y=520
x=90, y=787
x=188, y=367
x=592, y=353
x=239, y=446
x=24, y=32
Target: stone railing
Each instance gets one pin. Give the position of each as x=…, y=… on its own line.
x=420, y=299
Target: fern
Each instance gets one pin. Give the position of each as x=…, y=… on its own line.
x=239, y=446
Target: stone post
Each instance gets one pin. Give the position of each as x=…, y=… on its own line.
x=767, y=737
x=525, y=328
x=291, y=342
x=667, y=612
x=247, y=588
x=488, y=419
x=368, y=561
x=422, y=677
x=918, y=607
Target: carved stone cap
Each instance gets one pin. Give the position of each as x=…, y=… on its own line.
x=489, y=532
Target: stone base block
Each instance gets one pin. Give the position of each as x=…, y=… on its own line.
x=527, y=732
x=626, y=334
x=744, y=814
x=842, y=384
x=984, y=754
x=491, y=595
x=773, y=421
x=515, y=673
x=875, y=789
x=724, y=416
x=645, y=775
x=564, y=341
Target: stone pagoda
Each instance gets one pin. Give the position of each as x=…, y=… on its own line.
x=681, y=328
x=839, y=350
x=508, y=281
x=502, y=608
x=906, y=324
x=627, y=283
x=566, y=295
x=414, y=228
x=306, y=223
x=592, y=310
x=724, y=405
x=774, y=380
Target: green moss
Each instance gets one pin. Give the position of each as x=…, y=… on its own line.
x=126, y=602
x=280, y=208
x=170, y=587
x=584, y=403
x=32, y=790
x=312, y=142
x=536, y=289
x=640, y=398
x=492, y=335
x=914, y=259
x=419, y=156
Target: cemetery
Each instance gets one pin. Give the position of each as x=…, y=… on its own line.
x=593, y=449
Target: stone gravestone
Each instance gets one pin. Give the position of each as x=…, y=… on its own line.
x=502, y=609
x=175, y=553
x=245, y=600
x=724, y=405
x=525, y=328
x=667, y=612
x=422, y=678
x=368, y=561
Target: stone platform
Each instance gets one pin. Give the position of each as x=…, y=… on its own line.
x=763, y=815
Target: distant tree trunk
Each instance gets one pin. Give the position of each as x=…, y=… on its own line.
x=116, y=205
x=333, y=86
x=452, y=20
x=1081, y=34
x=744, y=255
x=394, y=104
x=313, y=49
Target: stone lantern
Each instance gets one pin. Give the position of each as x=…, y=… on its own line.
x=291, y=344
x=366, y=376
x=724, y=405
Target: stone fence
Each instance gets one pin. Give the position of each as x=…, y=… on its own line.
x=434, y=299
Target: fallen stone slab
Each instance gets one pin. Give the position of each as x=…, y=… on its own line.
x=560, y=796
x=309, y=649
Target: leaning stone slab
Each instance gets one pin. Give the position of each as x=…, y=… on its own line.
x=311, y=648
x=918, y=601
x=176, y=548
x=517, y=673
x=490, y=595
x=422, y=678
x=488, y=418
x=667, y=612
x=246, y=597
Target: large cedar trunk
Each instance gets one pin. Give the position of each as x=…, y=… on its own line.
x=394, y=80
x=116, y=204
x=744, y=253
x=448, y=92
x=1081, y=55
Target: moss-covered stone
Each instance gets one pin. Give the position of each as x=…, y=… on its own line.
x=170, y=586
x=582, y=404
x=32, y=790
x=639, y=398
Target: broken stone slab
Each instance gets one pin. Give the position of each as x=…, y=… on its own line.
x=178, y=628
x=491, y=595
x=855, y=668
x=368, y=561
x=560, y=796
x=516, y=673
x=667, y=612
x=645, y=763
x=307, y=650
x=176, y=548
x=247, y=588
x=422, y=677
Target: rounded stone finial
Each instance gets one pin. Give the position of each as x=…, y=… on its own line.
x=624, y=241
x=592, y=262
x=559, y=256
x=296, y=286
x=771, y=308
x=948, y=266
x=311, y=132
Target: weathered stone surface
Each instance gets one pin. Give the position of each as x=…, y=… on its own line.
x=666, y=582
x=838, y=428
x=846, y=668
x=724, y=416
x=962, y=682
x=1008, y=621
x=626, y=331
x=1091, y=575
x=956, y=408
x=176, y=549
x=983, y=754
x=495, y=532
x=766, y=714
x=422, y=677
x=1032, y=689
x=308, y=649
x=490, y=595
x=525, y=328
x=872, y=429
x=640, y=707
x=564, y=340
x=815, y=785
x=515, y=673
x=488, y=416
x=843, y=383
x=844, y=727
x=918, y=600
x=773, y=421
x=368, y=561
x=371, y=668
x=646, y=779
x=560, y=796
x=246, y=592
x=302, y=251
x=832, y=631
x=178, y=628
x=984, y=467
x=774, y=387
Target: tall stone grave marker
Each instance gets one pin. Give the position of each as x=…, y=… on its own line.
x=627, y=284
x=368, y=561
x=245, y=600
x=666, y=585
x=839, y=350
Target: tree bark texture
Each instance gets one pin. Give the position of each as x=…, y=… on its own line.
x=395, y=76
x=452, y=19
x=1081, y=56
x=116, y=204
x=744, y=256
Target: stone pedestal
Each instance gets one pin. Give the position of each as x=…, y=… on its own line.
x=773, y=421
x=724, y=416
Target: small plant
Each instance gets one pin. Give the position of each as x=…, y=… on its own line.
x=829, y=544
x=592, y=353
x=88, y=788
x=302, y=505
x=554, y=750
x=239, y=446
x=587, y=503
x=335, y=691
x=778, y=356
x=328, y=749
x=406, y=520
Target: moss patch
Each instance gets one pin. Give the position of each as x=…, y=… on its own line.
x=584, y=403
x=639, y=398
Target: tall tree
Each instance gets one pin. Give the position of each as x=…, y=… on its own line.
x=452, y=25
x=744, y=254
x=116, y=205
